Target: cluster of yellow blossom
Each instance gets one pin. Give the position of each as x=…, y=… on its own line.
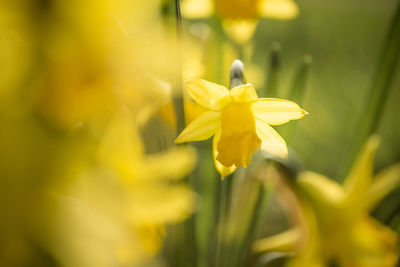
x=81, y=82
x=84, y=80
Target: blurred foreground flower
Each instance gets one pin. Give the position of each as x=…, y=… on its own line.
x=239, y=122
x=122, y=205
x=339, y=227
x=240, y=16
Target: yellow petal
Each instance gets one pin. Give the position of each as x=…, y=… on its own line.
x=321, y=188
x=283, y=242
x=277, y=111
x=244, y=94
x=271, y=141
x=196, y=9
x=278, y=9
x=384, y=182
x=240, y=30
x=371, y=244
x=224, y=171
x=121, y=147
x=360, y=176
x=208, y=95
x=202, y=128
x=160, y=204
x=150, y=236
x=192, y=110
x=172, y=164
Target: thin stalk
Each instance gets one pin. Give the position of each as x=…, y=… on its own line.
x=187, y=240
x=296, y=94
x=222, y=215
x=178, y=19
x=244, y=215
x=272, y=73
x=254, y=226
x=249, y=218
x=299, y=85
x=382, y=82
x=178, y=99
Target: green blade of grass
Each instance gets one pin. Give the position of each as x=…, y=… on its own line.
x=272, y=72
x=299, y=84
x=382, y=82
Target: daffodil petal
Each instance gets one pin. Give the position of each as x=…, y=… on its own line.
x=321, y=188
x=283, y=242
x=277, y=111
x=360, y=176
x=170, y=165
x=384, y=182
x=244, y=93
x=375, y=244
x=278, y=9
x=121, y=147
x=159, y=204
x=196, y=9
x=271, y=141
x=224, y=171
x=208, y=95
x=202, y=128
x=240, y=30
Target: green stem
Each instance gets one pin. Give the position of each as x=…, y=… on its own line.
x=299, y=85
x=187, y=241
x=222, y=216
x=272, y=72
x=254, y=226
x=247, y=228
x=296, y=94
x=178, y=99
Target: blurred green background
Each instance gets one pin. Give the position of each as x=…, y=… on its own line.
x=345, y=39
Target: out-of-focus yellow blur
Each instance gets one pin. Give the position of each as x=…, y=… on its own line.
x=79, y=79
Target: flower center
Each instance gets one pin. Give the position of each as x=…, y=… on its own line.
x=237, y=9
x=238, y=136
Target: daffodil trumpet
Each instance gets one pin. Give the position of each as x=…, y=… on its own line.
x=240, y=17
x=239, y=121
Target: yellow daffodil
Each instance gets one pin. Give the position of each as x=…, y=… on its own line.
x=152, y=198
x=240, y=9
x=240, y=16
x=339, y=227
x=239, y=121
x=114, y=213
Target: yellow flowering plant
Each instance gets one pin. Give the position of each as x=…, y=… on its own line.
x=239, y=121
x=338, y=227
x=144, y=193
x=89, y=171
x=240, y=17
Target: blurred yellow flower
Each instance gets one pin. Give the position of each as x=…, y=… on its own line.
x=239, y=122
x=94, y=57
x=240, y=9
x=153, y=199
x=340, y=229
x=122, y=203
x=240, y=16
